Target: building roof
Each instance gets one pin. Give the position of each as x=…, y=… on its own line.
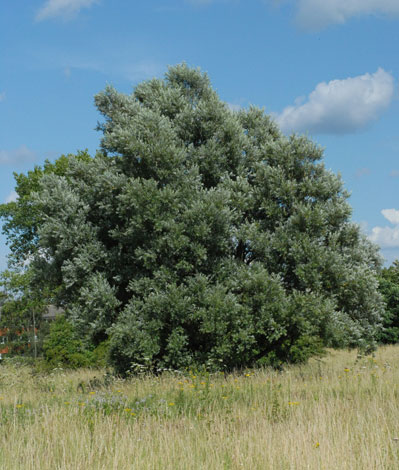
x=52, y=311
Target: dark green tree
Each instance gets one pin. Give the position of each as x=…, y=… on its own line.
x=22, y=218
x=21, y=317
x=24, y=302
x=63, y=347
x=389, y=288
x=199, y=235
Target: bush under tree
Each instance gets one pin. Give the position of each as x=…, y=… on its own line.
x=201, y=236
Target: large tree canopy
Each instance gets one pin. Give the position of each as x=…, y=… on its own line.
x=199, y=235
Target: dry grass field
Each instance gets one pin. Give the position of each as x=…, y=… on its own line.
x=336, y=413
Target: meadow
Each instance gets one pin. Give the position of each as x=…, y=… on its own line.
x=336, y=412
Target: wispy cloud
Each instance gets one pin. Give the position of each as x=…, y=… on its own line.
x=2, y=96
x=132, y=71
x=318, y=14
x=362, y=172
x=200, y=2
x=315, y=15
x=340, y=106
x=141, y=70
x=62, y=8
x=387, y=237
x=18, y=156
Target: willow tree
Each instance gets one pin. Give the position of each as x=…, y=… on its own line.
x=200, y=235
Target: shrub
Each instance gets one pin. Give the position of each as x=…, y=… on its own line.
x=63, y=348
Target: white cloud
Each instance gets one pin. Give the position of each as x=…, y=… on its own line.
x=12, y=197
x=18, y=156
x=317, y=14
x=63, y=8
x=392, y=215
x=387, y=237
x=340, y=106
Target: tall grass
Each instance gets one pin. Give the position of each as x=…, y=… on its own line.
x=336, y=413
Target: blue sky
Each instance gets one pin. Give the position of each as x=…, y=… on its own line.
x=326, y=68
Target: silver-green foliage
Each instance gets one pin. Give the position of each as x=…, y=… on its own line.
x=199, y=235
